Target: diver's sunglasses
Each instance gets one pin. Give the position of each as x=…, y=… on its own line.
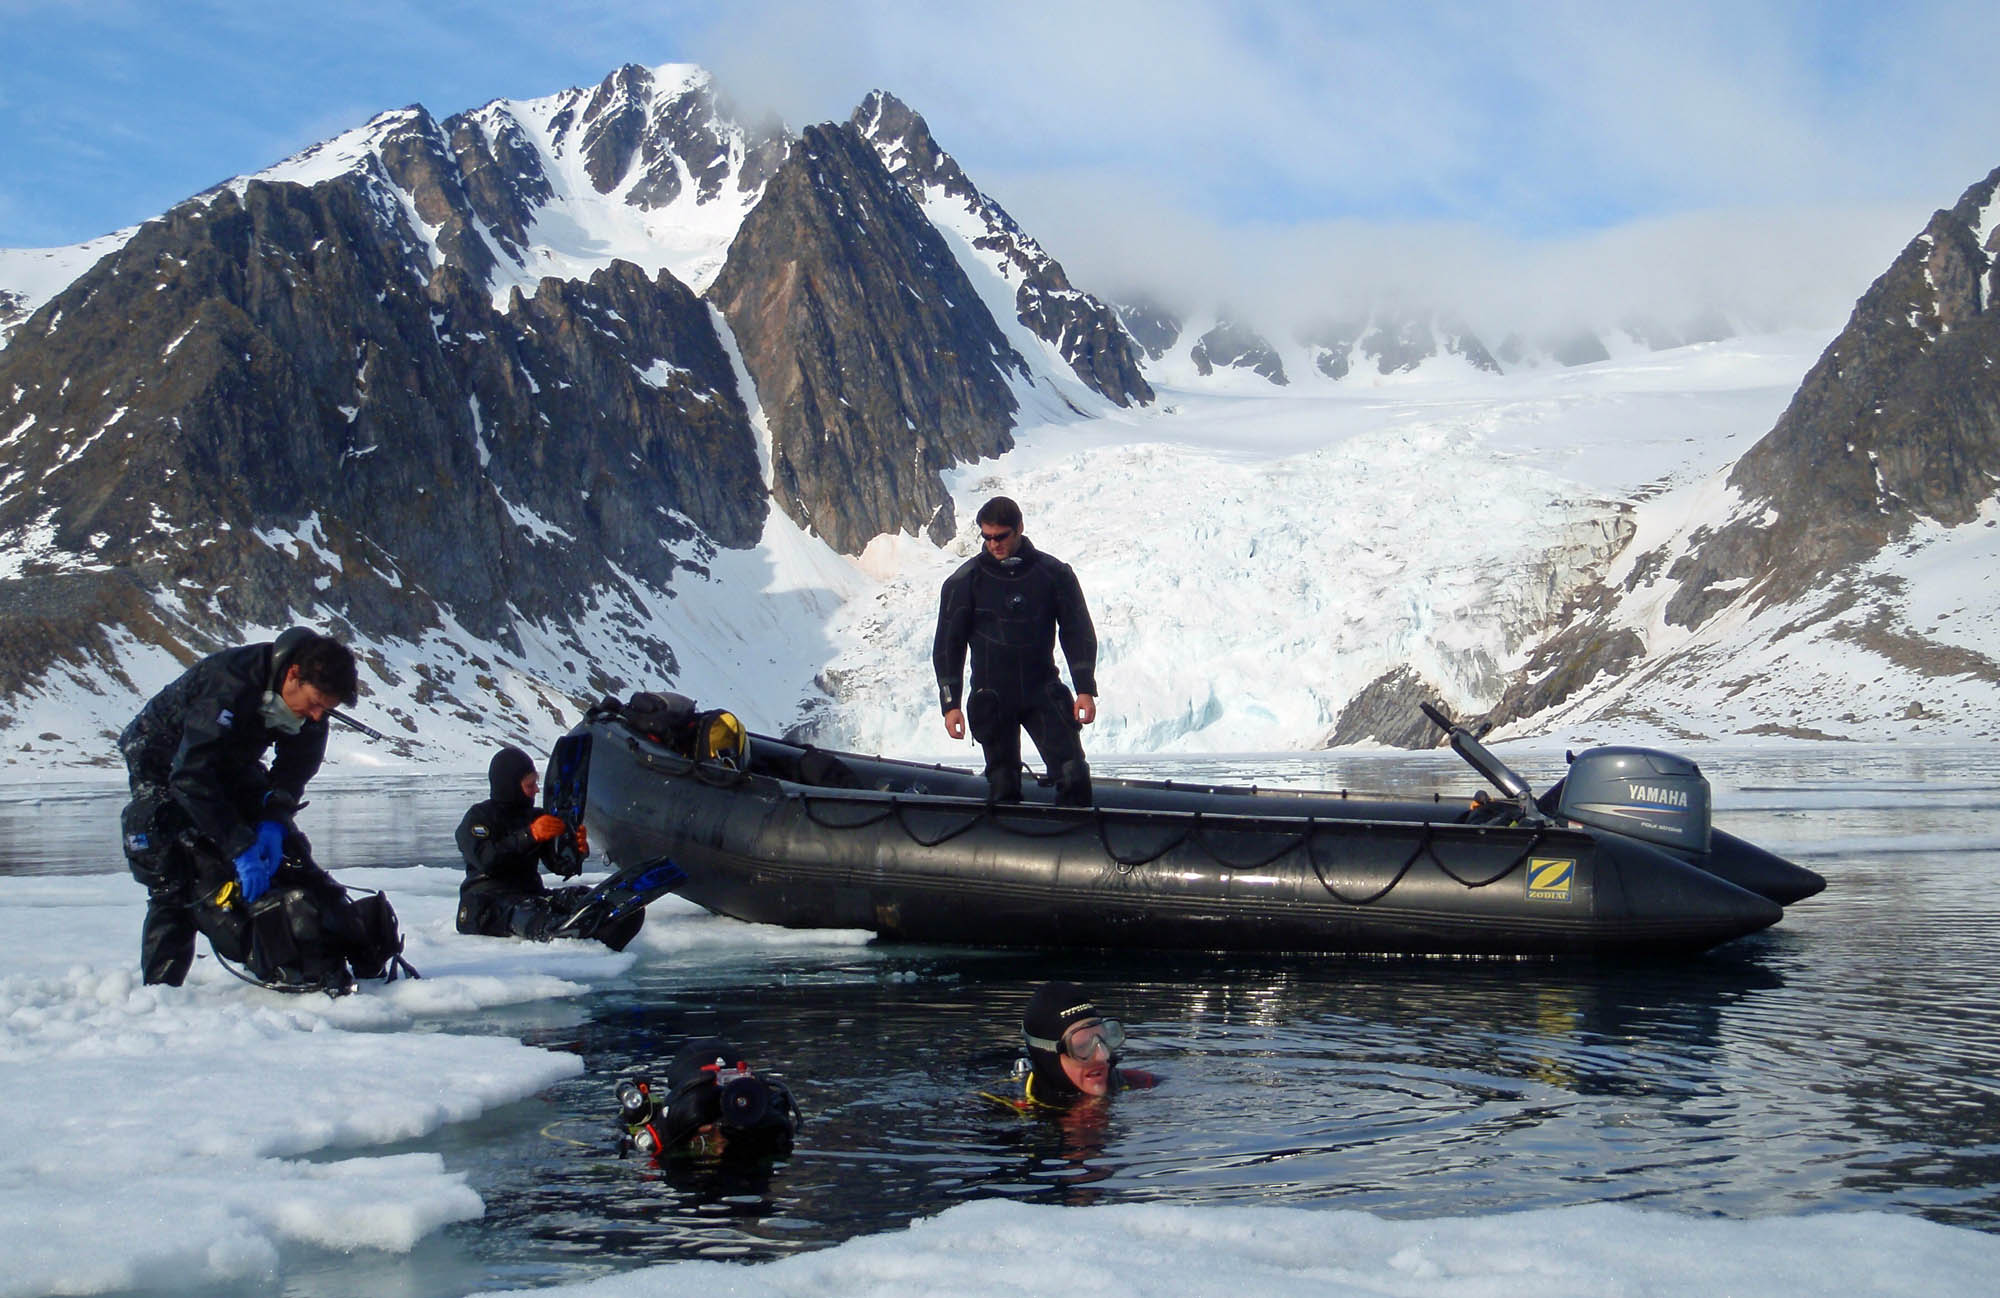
x=995, y=538
x=1084, y=1043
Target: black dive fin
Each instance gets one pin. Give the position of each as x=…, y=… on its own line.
x=624, y=893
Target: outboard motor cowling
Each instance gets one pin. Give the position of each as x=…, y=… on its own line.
x=1641, y=793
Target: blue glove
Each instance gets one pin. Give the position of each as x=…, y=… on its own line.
x=261, y=859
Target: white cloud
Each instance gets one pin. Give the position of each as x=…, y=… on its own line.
x=1764, y=159
x=1265, y=150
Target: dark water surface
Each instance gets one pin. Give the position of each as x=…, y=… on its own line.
x=1847, y=1059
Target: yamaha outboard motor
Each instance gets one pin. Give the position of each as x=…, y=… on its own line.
x=1641, y=793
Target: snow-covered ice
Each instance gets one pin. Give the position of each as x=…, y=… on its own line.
x=1602, y=1251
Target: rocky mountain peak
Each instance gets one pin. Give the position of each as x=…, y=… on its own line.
x=903, y=140
x=1081, y=330
x=648, y=135
x=877, y=365
x=1230, y=345
x=1897, y=425
x=1899, y=420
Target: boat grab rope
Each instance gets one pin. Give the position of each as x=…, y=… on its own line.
x=1426, y=846
x=899, y=810
x=1127, y=864
x=717, y=772
x=1203, y=835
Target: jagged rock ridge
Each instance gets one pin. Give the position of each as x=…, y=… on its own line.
x=1084, y=331
x=1896, y=426
x=259, y=406
x=875, y=361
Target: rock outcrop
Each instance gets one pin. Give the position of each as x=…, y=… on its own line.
x=1233, y=346
x=1084, y=331
x=875, y=361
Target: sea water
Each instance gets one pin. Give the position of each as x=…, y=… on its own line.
x=1848, y=1059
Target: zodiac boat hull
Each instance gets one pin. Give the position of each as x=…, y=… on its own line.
x=806, y=838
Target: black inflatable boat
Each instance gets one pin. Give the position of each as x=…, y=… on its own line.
x=1618, y=859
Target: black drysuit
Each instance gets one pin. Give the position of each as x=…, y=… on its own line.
x=195, y=758
x=1008, y=613
x=503, y=894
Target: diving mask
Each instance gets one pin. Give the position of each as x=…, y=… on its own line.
x=1086, y=1039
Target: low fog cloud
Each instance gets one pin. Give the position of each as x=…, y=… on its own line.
x=1763, y=269
x=1525, y=165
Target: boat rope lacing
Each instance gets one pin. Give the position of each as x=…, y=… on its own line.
x=1202, y=833
x=1426, y=846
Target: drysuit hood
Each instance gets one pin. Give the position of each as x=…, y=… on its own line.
x=1054, y=1009
x=282, y=649
x=504, y=774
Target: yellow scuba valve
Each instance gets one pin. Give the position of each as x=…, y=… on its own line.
x=723, y=738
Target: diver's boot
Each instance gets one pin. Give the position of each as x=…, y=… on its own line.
x=1073, y=783
x=166, y=944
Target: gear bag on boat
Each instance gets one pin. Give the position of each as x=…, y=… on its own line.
x=673, y=720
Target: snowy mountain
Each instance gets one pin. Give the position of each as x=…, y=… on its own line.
x=608, y=390
x=450, y=388
x=1078, y=330
x=1838, y=578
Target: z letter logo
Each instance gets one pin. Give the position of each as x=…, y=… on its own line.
x=1549, y=878
x=226, y=720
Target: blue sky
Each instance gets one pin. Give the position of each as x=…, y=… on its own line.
x=1123, y=134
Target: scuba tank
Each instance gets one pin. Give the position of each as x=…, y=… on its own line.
x=711, y=1103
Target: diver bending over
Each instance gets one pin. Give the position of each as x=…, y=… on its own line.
x=210, y=828
x=506, y=842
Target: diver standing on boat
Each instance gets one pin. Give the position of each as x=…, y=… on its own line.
x=1007, y=605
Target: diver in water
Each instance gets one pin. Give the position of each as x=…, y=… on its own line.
x=1006, y=605
x=506, y=842
x=1072, y=1054
x=710, y=1105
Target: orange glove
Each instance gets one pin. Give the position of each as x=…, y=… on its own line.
x=547, y=829
x=582, y=842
